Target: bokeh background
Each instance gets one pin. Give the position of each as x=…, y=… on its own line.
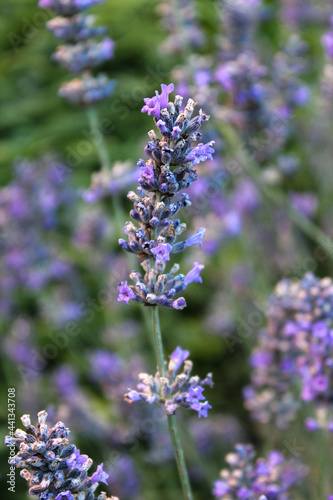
x=67, y=346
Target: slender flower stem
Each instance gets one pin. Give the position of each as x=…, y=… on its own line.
x=158, y=345
x=274, y=196
x=179, y=455
x=105, y=161
x=324, y=443
x=173, y=429
x=99, y=140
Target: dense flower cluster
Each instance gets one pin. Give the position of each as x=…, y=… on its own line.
x=80, y=53
x=174, y=390
x=261, y=479
x=54, y=468
x=168, y=171
x=296, y=350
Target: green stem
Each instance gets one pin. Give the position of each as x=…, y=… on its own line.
x=277, y=198
x=158, y=346
x=324, y=452
x=100, y=144
x=104, y=158
x=179, y=455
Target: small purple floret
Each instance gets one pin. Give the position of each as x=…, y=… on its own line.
x=193, y=276
x=76, y=460
x=66, y=495
x=178, y=357
x=196, y=239
x=162, y=252
x=154, y=105
x=125, y=293
x=100, y=476
x=201, y=152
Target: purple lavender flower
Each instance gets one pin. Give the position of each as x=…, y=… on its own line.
x=174, y=391
x=61, y=471
x=81, y=52
x=177, y=358
x=162, y=253
x=327, y=41
x=193, y=276
x=196, y=239
x=31, y=207
x=83, y=56
x=295, y=351
x=87, y=89
x=74, y=29
x=67, y=7
x=201, y=152
x=168, y=171
x=154, y=105
x=247, y=479
x=100, y=476
x=77, y=461
x=66, y=495
x=125, y=293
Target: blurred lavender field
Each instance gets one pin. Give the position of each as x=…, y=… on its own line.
x=76, y=330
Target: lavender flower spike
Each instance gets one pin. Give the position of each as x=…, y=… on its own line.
x=163, y=178
x=251, y=479
x=81, y=52
x=61, y=472
x=174, y=391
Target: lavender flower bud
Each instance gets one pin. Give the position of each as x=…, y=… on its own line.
x=54, y=469
x=174, y=391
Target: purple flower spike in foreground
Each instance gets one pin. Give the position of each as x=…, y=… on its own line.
x=174, y=391
x=53, y=467
x=250, y=479
x=163, y=178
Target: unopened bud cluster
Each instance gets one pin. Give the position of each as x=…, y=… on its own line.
x=174, y=390
x=54, y=468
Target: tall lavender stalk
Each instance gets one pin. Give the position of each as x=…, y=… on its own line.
x=167, y=172
x=80, y=54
